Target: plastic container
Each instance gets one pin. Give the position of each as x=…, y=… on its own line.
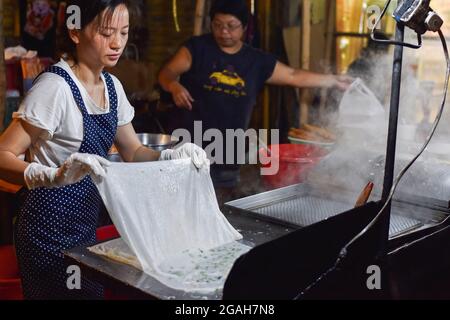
x=295, y=161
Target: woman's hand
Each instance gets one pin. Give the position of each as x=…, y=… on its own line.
x=73, y=170
x=181, y=96
x=78, y=166
x=341, y=82
x=187, y=150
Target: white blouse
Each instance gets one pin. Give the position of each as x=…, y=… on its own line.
x=50, y=105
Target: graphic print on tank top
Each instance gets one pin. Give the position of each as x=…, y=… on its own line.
x=226, y=81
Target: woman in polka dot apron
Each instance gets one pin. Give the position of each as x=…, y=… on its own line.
x=66, y=125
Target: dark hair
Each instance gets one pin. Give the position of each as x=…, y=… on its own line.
x=89, y=10
x=237, y=8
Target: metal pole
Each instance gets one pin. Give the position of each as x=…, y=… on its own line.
x=305, y=58
x=2, y=68
x=393, y=122
x=199, y=16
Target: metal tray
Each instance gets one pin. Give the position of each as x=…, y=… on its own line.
x=302, y=205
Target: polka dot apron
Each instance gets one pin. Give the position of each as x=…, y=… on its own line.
x=53, y=220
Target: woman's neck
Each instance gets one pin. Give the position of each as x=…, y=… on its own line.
x=86, y=73
x=232, y=50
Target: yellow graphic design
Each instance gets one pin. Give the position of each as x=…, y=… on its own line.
x=228, y=78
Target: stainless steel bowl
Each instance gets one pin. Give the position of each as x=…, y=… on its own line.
x=114, y=157
x=157, y=142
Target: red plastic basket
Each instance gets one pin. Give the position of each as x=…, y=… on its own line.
x=294, y=160
x=106, y=233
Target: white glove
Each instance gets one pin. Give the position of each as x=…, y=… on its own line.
x=73, y=170
x=187, y=150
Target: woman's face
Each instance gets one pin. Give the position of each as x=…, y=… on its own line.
x=102, y=41
x=227, y=30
